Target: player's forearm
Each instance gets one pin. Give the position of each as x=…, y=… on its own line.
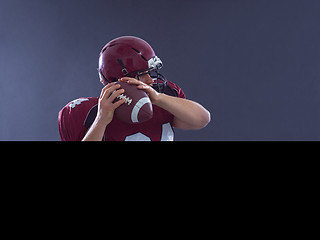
x=96, y=131
x=188, y=114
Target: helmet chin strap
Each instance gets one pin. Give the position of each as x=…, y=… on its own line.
x=123, y=68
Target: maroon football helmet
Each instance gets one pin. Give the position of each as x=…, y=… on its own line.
x=126, y=56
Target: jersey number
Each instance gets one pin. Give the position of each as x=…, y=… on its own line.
x=167, y=135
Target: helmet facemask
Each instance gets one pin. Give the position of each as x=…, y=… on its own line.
x=154, y=64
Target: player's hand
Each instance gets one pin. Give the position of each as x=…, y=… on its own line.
x=106, y=106
x=153, y=94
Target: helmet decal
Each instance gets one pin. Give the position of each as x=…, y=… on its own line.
x=155, y=63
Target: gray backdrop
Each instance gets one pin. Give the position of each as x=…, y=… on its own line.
x=254, y=64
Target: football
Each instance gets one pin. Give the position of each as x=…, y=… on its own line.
x=137, y=107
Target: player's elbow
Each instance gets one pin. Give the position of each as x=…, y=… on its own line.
x=203, y=119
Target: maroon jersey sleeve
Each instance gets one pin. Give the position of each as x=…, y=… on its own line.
x=177, y=89
x=71, y=120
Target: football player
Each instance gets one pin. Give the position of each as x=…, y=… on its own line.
x=132, y=60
